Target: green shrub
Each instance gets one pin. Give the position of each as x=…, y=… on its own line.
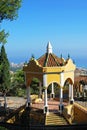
x=3, y=128
x=20, y=92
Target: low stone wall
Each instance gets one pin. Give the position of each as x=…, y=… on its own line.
x=75, y=114
x=14, y=117
x=68, y=113
x=80, y=114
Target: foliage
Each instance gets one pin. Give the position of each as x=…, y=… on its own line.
x=4, y=70
x=17, y=84
x=3, y=128
x=35, y=86
x=20, y=92
x=19, y=77
x=9, y=9
x=3, y=36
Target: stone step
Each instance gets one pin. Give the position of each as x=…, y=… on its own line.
x=55, y=119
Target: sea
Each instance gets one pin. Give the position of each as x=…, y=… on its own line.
x=79, y=62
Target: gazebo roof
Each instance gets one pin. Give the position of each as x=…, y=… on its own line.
x=50, y=60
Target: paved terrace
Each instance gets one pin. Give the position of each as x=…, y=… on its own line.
x=15, y=102
x=52, y=105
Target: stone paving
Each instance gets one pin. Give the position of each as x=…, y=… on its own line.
x=13, y=102
x=16, y=102
x=52, y=105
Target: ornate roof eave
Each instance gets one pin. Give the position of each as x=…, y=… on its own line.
x=55, y=69
x=32, y=63
x=36, y=62
x=70, y=65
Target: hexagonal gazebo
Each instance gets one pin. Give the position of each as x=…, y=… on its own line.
x=50, y=69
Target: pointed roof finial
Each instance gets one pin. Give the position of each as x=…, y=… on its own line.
x=68, y=56
x=49, y=48
x=61, y=56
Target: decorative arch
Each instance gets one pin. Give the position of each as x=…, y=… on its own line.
x=68, y=81
x=30, y=76
x=53, y=90
x=68, y=89
x=54, y=82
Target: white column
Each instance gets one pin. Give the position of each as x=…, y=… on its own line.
x=61, y=87
x=44, y=80
x=45, y=93
x=61, y=91
x=61, y=95
x=45, y=98
x=69, y=92
x=71, y=100
x=62, y=78
x=28, y=96
x=52, y=93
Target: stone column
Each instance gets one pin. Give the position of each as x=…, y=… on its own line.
x=5, y=101
x=28, y=97
x=40, y=90
x=71, y=100
x=45, y=98
x=45, y=93
x=27, y=93
x=52, y=93
x=61, y=95
x=61, y=106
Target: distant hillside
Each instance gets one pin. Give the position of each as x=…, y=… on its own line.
x=14, y=66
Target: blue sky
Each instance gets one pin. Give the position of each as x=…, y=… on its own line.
x=62, y=22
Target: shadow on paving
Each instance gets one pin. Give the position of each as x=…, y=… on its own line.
x=4, y=113
x=69, y=127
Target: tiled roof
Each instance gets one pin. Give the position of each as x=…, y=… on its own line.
x=50, y=60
